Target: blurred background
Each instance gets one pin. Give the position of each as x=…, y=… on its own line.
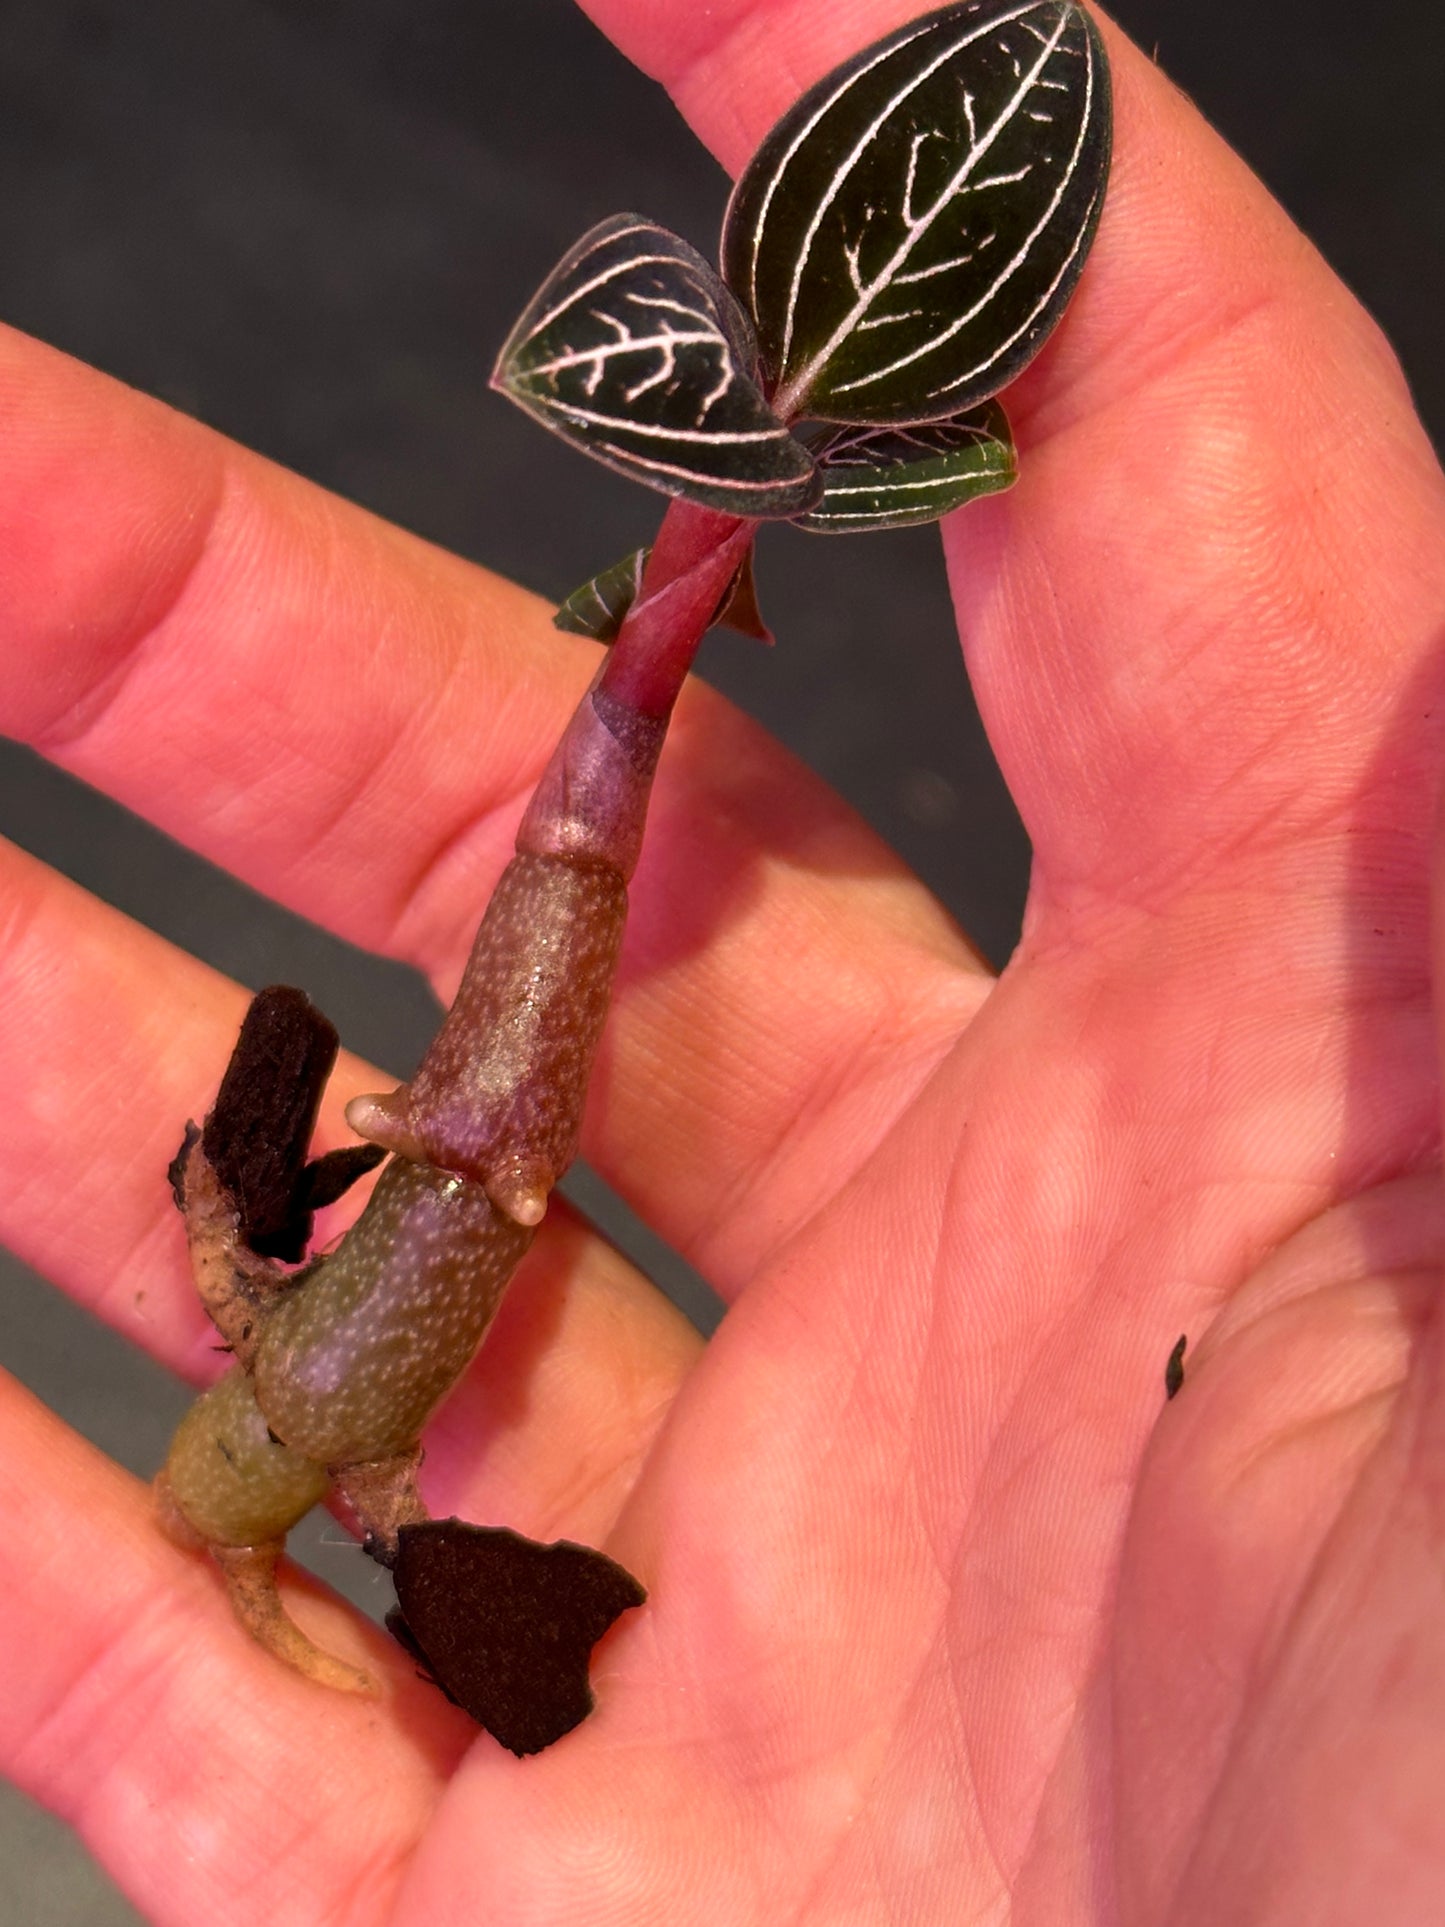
x=311, y=224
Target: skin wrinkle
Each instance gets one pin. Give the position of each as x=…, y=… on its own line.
x=1064, y=911
x=369, y=1890
x=436, y=941
x=1063, y=409
x=691, y=81
x=997, y=1434
x=1261, y=1669
x=837, y=1083
x=951, y=1676
x=154, y=1253
x=852, y=1825
x=929, y=1640
x=223, y=552
x=135, y=1281
x=936, y=1360
x=374, y=1873
x=1381, y=1399
x=1040, y=1831
x=57, y=1733
x=409, y=933
x=741, y=17
x=67, y=732
x=22, y=909
x=1048, y=1768
x=388, y=920
x=1205, y=1369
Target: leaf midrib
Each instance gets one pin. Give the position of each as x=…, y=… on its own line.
x=790, y=397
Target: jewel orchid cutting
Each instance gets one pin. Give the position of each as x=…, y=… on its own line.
x=896, y=252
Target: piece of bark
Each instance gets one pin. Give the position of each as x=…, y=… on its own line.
x=506, y=1626
x=259, y=1130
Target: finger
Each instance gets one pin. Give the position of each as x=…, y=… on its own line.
x=549, y=1430
x=132, y=1693
x=343, y=715
x=1216, y=450
x=257, y=667
x=110, y=1039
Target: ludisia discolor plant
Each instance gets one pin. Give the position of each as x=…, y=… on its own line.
x=898, y=249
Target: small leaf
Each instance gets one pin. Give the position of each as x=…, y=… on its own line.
x=635, y=350
x=598, y=607
x=890, y=478
x=739, y=609
x=908, y=234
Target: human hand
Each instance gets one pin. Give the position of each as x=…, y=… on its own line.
x=945, y=1615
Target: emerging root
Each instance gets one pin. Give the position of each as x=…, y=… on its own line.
x=375, y=1500
x=236, y=1286
x=250, y=1575
x=521, y=1189
x=384, y=1118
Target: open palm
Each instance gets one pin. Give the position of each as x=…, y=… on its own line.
x=951, y=1618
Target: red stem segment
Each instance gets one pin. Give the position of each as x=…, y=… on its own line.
x=498, y=1097
x=339, y=1373
x=591, y=802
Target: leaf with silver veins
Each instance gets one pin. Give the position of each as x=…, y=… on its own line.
x=892, y=478
x=908, y=234
x=635, y=350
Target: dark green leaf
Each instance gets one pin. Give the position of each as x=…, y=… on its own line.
x=598, y=607
x=635, y=350
x=889, y=478
x=906, y=237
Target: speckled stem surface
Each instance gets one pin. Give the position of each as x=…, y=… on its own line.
x=499, y=1095
x=339, y=1367
x=353, y=1362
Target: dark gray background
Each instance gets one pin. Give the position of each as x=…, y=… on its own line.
x=310, y=222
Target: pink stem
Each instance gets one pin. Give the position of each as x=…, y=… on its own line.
x=498, y=1097
x=693, y=560
x=591, y=802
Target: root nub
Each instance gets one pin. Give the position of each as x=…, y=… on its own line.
x=250, y=1575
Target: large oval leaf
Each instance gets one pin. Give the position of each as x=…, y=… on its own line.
x=635, y=350
x=908, y=234
x=892, y=478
